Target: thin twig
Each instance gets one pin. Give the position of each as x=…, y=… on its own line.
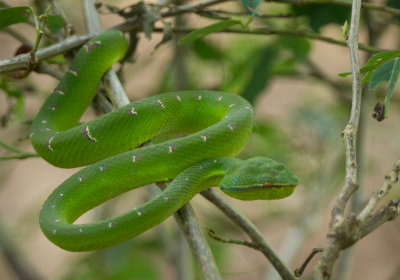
x=252, y=231
x=212, y=234
x=390, y=179
x=299, y=271
x=339, y=224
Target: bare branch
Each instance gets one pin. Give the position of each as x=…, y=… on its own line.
x=384, y=190
x=255, y=235
x=188, y=223
x=342, y=230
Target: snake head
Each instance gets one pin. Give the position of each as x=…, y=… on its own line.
x=258, y=178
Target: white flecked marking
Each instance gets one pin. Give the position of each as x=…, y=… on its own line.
x=86, y=132
x=79, y=230
x=132, y=111
x=135, y=158
x=110, y=224
x=178, y=98
x=44, y=121
x=59, y=91
x=166, y=197
x=49, y=144
x=102, y=167
x=219, y=98
x=231, y=105
x=205, y=138
x=198, y=97
x=171, y=148
x=53, y=206
x=52, y=107
x=81, y=178
x=187, y=179
x=61, y=195
x=158, y=101
x=56, y=220
x=53, y=231
x=231, y=126
x=73, y=71
x=140, y=212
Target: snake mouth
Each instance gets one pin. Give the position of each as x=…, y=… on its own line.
x=266, y=185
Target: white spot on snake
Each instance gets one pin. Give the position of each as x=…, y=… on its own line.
x=166, y=197
x=61, y=195
x=219, y=98
x=231, y=126
x=31, y=135
x=52, y=107
x=135, y=158
x=140, y=212
x=59, y=91
x=73, y=71
x=231, y=105
x=92, y=45
x=205, y=138
x=215, y=160
x=48, y=145
x=81, y=178
x=132, y=111
x=186, y=179
x=248, y=107
x=102, y=167
x=158, y=101
x=110, y=224
x=86, y=132
x=171, y=148
x=56, y=220
x=53, y=231
x=79, y=230
x=198, y=97
x=53, y=206
x=178, y=98
x=44, y=121
x=202, y=167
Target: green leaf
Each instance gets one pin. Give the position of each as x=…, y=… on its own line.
x=387, y=72
x=202, y=32
x=251, y=6
x=54, y=23
x=9, y=16
x=262, y=74
x=373, y=63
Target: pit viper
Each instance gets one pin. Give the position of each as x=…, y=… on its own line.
x=215, y=125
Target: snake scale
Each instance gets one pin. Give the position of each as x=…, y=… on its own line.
x=216, y=126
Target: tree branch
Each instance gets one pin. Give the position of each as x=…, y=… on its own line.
x=339, y=225
x=255, y=235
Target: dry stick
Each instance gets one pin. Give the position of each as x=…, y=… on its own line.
x=251, y=230
x=323, y=269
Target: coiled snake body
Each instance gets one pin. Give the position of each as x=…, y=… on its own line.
x=218, y=125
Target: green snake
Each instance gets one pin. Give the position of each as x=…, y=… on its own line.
x=217, y=125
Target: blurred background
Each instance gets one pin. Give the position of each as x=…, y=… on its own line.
x=301, y=107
